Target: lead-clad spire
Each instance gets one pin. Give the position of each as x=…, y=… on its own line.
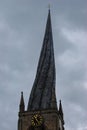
x=43, y=91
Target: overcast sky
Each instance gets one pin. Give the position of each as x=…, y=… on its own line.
x=22, y=26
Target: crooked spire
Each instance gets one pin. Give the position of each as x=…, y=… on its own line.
x=22, y=105
x=43, y=91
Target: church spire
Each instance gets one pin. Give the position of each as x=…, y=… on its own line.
x=44, y=85
x=22, y=106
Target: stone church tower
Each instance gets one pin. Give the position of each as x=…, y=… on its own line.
x=42, y=112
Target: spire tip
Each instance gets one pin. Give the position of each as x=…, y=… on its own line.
x=60, y=100
x=49, y=7
x=22, y=93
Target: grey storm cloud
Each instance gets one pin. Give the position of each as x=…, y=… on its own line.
x=22, y=26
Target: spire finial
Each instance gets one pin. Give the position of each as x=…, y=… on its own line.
x=22, y=106
x=22, y=93
x=61, y=111
x=49, y=6
x=60, y=105
x=60, y=108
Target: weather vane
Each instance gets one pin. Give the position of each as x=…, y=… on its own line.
x=49, y=6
